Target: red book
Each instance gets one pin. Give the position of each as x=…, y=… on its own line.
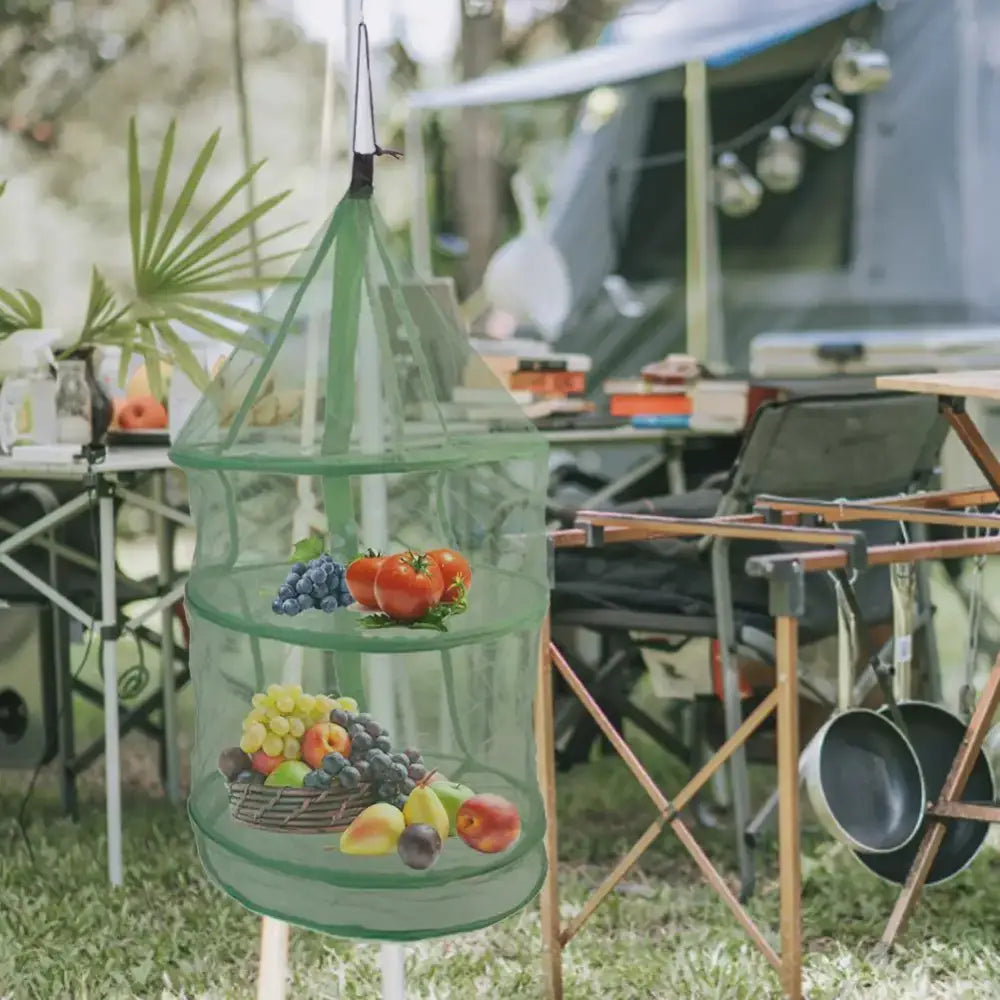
x=650, y=404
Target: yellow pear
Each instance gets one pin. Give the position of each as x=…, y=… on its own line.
x=423, y=806
x=374, y=832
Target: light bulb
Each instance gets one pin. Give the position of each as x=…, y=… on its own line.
x=780, y=161
x=737, y=191
x=860, y=69
x=825, y=120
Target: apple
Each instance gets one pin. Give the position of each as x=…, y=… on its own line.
x=260, y=761
x=451, y=795
x=324, y=738
x=289, y=774
x=142, y=413
x=488, y=823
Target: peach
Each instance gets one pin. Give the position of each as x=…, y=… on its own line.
x=265, y=764
x=324, y=738
x=488, y=823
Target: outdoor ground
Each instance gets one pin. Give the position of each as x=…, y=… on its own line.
x=168, y=934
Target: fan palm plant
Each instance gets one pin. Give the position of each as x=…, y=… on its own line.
x=185, y=268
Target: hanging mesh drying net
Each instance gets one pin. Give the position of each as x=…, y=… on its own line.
x=364, y=758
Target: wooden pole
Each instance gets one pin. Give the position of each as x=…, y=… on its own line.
x=545, y=751
x=789, y=859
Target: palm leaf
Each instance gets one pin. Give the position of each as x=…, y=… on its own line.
x=124, y=361
x=250, y=317
x=237, y=227
x=184, y=199
x=209, y=217
x=183, y=356
x=243, y=250
x=205, y=323
x=223, y=271
x=103, y=312
x=19, y=310
x=150, y=351
x=158, y=194
x=134, y=195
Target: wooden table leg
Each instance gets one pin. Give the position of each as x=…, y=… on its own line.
x=545, y=751
x=789, y=858
x=975, y=444
x=952, y=791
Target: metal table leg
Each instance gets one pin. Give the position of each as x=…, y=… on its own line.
x=168, y=678
x=109, y=657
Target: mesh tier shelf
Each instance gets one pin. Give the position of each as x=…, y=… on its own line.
x=359, y=417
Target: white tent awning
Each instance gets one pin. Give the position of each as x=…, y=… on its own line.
x=641, y=45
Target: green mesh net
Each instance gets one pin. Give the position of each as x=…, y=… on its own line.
x=365, y=771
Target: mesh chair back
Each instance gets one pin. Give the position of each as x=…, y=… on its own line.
x=828, y=448
x=850, y=446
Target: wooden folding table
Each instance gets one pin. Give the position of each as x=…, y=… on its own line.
x=843, y=549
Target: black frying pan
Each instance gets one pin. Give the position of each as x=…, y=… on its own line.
x=936, y=734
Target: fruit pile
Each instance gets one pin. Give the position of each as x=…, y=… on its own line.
x=316, y=584
x=296, y=740
x=435, y=810
x=275, y=730
x=416, y=589
x=322, y=743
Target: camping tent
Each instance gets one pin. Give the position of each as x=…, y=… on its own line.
x=893, y=229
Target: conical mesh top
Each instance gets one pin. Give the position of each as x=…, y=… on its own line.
x=367, y=354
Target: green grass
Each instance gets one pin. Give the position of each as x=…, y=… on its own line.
x=168, y=934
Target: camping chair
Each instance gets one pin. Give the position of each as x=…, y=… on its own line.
x=844, y=446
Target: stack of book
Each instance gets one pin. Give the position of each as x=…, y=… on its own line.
x=542, y=382
x=649, y=404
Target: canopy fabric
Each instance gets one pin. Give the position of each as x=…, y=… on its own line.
x=642, y=44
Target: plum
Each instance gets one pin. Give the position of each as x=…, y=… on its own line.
x=419, y=846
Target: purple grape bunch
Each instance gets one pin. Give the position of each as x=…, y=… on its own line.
x=319, y=585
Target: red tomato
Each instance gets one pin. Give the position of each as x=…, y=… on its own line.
x=360, y=578
x=455, y=570
x=407, y=586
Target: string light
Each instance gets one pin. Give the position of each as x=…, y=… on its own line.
x=859, y=68
x=737, y=191
x=781, y=161
x=824, y=120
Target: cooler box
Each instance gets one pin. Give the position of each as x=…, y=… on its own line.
x=838, y=353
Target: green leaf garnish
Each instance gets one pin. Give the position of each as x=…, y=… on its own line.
x=434, y=620
x=307, y=549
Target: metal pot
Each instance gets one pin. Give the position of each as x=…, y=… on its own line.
x=936, y=734
x=864, y=782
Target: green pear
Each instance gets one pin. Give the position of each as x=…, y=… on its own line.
x=451, y=795
x=290, y=774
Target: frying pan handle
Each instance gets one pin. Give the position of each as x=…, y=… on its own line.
x=879, y=665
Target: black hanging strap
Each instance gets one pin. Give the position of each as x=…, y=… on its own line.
x=363, y=166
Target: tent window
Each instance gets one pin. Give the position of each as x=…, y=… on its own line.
x=808, y=229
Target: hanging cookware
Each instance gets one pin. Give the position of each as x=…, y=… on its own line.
x=861, y=774
x=935, y=735
x=864, y=782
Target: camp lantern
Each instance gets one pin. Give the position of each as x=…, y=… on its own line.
x=780, y=161
x=366, y=602
x=860, y=69
x=825, y=120
x=737, y=191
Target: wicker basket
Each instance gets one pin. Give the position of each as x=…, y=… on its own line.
x=298, y=810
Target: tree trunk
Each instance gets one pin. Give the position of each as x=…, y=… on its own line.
x=477, y=171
